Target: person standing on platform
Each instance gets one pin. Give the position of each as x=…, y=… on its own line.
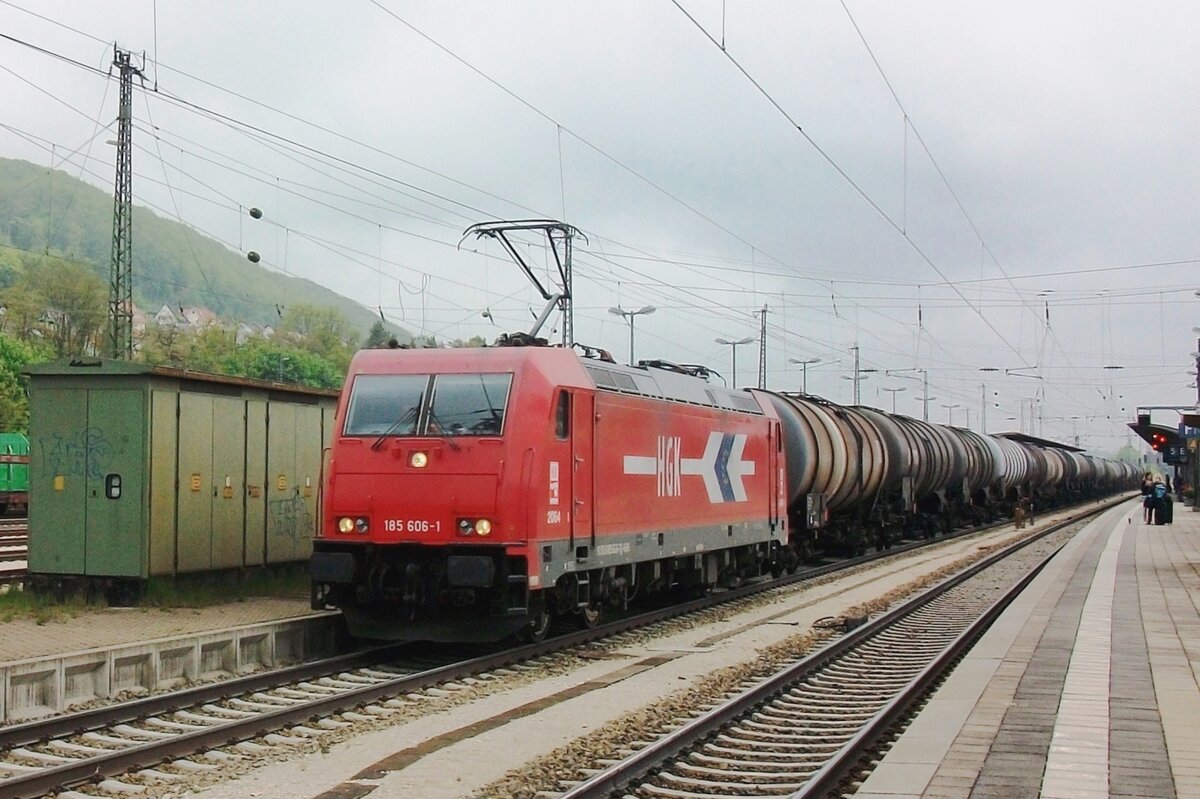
x=1162, y=504
x=1147, y=498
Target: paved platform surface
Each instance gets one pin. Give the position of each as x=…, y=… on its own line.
x=95, y=629
x=1087, y=686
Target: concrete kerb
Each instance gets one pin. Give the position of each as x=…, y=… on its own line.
x=42, y=686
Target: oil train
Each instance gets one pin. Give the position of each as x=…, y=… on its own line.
x=473, y=494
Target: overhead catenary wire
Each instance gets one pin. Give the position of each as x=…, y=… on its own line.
x=854, y=185
x=839, y=281
x=235, y=94
x=908, y=125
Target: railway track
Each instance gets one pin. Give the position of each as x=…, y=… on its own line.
x=802, y=731
x=14, y=549
x=165, y=738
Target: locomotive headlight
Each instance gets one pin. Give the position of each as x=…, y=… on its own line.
x=483, y=527
x=345, y=525
x=419, y=460
x=464, y=526
x=360, y=524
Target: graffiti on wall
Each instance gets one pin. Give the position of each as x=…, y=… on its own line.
x=290, y=517
x=84, y=453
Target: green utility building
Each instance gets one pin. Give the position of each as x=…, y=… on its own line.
x=141, y=471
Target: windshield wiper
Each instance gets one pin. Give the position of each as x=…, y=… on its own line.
x=442, y=428
x=495, y=414
x=407, y=416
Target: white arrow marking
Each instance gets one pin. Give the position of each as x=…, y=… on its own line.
x=706, y=467
x=739, y=468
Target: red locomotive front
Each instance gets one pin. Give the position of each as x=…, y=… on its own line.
x=475, y=493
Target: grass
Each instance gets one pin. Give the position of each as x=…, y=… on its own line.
x=192, y=591
x=41, y=608
x=204, y=591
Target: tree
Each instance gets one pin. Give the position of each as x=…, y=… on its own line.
x=322, y=331
x=211, y=349
x=378, y=336
x=74, y=301
x=164, y=344
x=261, y=359
x=309, y=321
x=23, y=312
x=15, y=355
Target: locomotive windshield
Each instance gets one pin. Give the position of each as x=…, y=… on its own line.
x=427, y=405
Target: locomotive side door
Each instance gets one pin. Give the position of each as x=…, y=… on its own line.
x=773, y=475
x=583, y=528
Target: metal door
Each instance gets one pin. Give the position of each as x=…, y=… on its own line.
x=227, y=478
x=257, y=482
x=57, y=516
x=286, y=509
x=774, y=489
x=308, y=471
x=164, y=480
x=194, y=530
x=583, y=439
x=115, y=452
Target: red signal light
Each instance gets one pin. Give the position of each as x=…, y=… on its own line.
x=1158, y=441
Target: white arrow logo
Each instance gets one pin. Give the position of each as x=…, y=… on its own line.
x=722, y=466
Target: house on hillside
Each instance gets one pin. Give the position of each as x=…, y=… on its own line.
x=166, y=317
x=198, y=317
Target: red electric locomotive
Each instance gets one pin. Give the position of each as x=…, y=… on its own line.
x=476, y=493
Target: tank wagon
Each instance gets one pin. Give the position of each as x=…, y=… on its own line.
x=476, y=493
x=14, y=473
x=859, y=477
x=140, y=472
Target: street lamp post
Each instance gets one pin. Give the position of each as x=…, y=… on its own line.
x=804, y=371
x=950, y=413
x=858, y=376
x=733, y=345
x=983, y=399
x=619, y=311
x=894, y=392
x=925, y=399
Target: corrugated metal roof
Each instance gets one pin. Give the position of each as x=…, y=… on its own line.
x=74, y=367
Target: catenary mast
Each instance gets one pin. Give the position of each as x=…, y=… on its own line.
x=120, y=287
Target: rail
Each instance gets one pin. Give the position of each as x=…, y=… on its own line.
x=655, y=757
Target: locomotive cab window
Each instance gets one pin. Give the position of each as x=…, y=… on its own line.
x=562, y=416
x=385, y=405
x=427, y=405
x=468, y=405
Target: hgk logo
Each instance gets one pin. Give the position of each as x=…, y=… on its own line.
x=721, y=466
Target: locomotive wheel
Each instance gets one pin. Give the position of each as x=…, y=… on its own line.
x=539, y=623
x=592, y=616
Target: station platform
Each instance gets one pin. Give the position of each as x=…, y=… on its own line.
x=61, y=664
x=1086, y=686
x=93, y=628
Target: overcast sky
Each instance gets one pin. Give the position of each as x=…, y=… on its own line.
x=927, y=180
